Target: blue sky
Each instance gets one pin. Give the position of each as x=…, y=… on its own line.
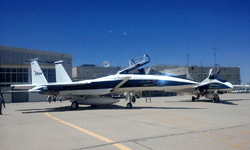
x=94, y=31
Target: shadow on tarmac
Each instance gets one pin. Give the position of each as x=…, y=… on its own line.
x=99, y=107
x=226, y=102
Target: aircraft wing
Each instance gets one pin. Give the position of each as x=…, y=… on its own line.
x=203, y=85
x=38, y=89
x=198, y=87
x=189, y=89
x=23, y=86
x=240, y=86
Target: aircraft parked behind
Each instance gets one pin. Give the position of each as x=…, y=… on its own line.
x=212, y=86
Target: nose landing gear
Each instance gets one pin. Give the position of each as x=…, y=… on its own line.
x=131, y=97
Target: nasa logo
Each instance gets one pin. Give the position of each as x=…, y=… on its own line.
x=38, y=73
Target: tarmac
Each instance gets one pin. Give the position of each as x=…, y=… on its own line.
x=165, y=123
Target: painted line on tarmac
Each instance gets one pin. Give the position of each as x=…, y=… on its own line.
x=120, y=146
x=241, y=144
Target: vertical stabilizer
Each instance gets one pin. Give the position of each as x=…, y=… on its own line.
x=37, y=74
x=61, y=74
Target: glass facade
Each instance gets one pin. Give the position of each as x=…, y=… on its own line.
x=10, y=75
x=50, y=74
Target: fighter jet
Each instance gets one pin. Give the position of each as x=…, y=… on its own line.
x=212, y=86
x=130, y=79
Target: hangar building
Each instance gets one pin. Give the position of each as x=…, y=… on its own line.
x=90, y=71
x=15, y=69
x=199, y=73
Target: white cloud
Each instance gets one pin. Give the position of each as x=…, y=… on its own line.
x=124, y=33
x=110, y=31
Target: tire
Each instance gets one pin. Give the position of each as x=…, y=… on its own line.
x=193, y=98
x=129, y=106
x=216, y=99
x=133, y=99
x=74, y=105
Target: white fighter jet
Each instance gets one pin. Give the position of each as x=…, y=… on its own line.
x=95, y=91
x=212, y=86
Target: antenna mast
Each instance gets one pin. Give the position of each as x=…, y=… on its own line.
x=187, y=63
x=214, y=54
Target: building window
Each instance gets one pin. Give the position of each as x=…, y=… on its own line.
x=45, y=71
x=19, y=69
x=2, y=77
x=14, y=75
x=20, y=77
x=26, y=78
x=2, y=69
x=49, y=74
x=13, y=69
x=13, y=78
x=7, y=77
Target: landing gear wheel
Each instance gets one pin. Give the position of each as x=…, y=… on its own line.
x=133, y=99
x=74, y=105
x=193, y=98
x=216, y=99
x=129, y=106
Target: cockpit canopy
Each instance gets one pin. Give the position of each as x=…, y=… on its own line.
x=214, y=73
x=135, y=63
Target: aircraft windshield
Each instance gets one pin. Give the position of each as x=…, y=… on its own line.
x=215, y=71
x=135, y=63
x=151, y=71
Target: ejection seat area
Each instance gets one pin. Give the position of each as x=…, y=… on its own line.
x=135, y=63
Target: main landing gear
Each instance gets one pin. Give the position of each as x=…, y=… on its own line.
x=131, y=98
x=216, y=98
x=193, y=98
x=74, y=105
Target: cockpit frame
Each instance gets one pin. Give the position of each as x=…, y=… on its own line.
x=135, y=63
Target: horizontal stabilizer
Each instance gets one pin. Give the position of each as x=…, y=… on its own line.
x=25, y=86
x=240, y=86
x=18, y=91
x=38, y=89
